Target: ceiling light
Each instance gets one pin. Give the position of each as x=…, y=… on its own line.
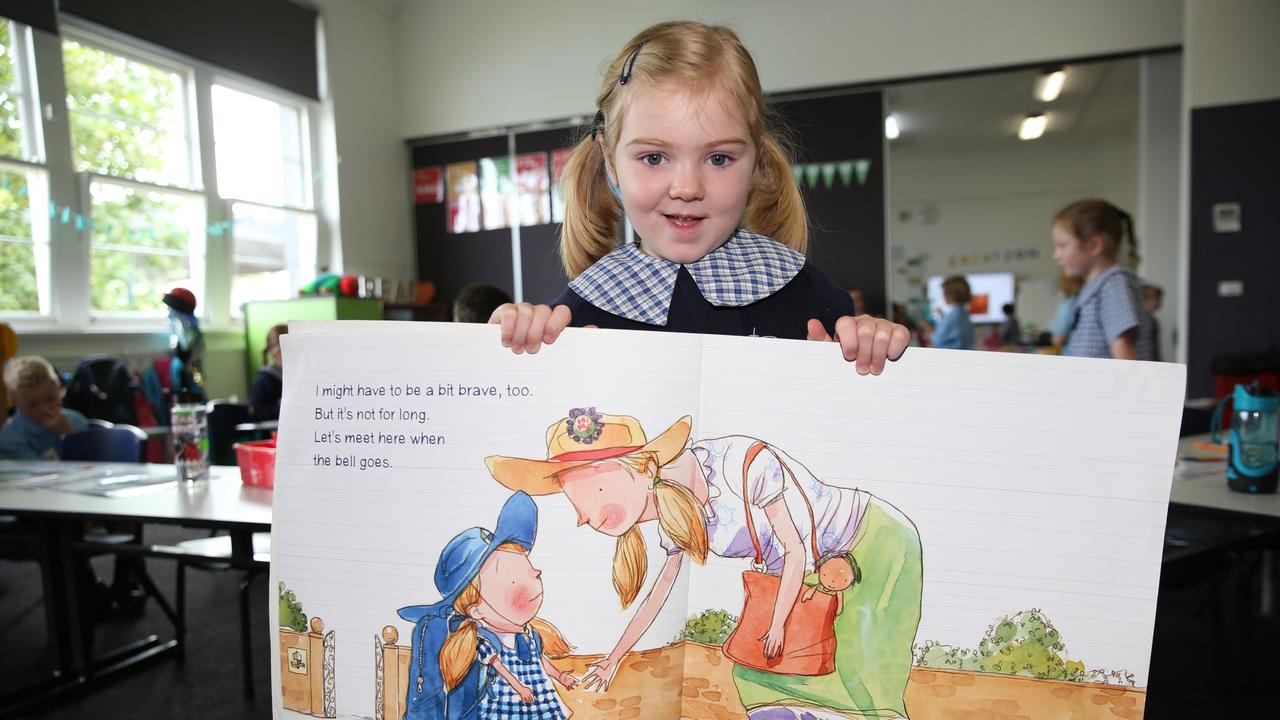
x=891, y=127
x=1032, y=127
x=1049, y=85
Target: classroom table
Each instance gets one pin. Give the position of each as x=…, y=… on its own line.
x=260, y=426
x=1256, y=518
x=1208, y=491
x=57, y=517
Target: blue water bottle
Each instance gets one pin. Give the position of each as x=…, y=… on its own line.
x=1253, y=466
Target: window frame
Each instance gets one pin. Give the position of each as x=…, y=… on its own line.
x=70, y=250
x=41, y=240
x=293, y=252
x=28, y=91
x=136, y=53
x=305, y=109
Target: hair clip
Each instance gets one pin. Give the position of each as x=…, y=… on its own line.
x=625, y=77
x=598, y=124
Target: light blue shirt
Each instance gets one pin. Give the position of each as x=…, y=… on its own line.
x=1064, y=316
x=25, y=439
x=954, y=330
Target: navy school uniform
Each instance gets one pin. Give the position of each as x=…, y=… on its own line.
x=751, y=285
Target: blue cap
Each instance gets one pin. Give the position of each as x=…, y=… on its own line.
x=464, y=555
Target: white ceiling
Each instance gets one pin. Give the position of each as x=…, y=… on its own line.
x=1098, y=99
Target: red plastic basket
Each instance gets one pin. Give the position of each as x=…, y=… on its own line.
x=257, y=461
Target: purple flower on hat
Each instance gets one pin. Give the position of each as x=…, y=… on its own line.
x=584, y=425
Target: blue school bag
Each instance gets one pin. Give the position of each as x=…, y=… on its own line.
x=460, y=563
x=425, y=698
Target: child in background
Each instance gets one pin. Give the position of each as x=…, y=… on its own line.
x=684, y=146
x=268, y=384
x=40, y=421
x=1149, y=327
x=1011, y=330
x=1065, y=315
x=1087, y=236
x=954, y=330
x=476, y=302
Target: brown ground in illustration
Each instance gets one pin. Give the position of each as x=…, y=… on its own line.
x=655, y=683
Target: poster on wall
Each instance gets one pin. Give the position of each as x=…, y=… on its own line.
x=559, y=159
x=533, y=189
x=497, y=193
x=428, y=185
x=463, y=187
x=600, y=541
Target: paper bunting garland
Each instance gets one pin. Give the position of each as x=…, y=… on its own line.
x=808, y=175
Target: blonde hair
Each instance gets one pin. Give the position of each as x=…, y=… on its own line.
x=680, y=517
x=701, y=58
x=1070, y=285
x=460, y=648
x=28, y=371
x=1093, y=216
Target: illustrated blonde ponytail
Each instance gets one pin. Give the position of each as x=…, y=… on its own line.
x=680, y=517
x=459, y=649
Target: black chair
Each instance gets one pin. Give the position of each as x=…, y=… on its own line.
x=131, y=584
x=119, y=443
x=213, y=553
x=223, y=416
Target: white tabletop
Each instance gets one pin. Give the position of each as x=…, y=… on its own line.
x=220, y=500
x=1210, y=490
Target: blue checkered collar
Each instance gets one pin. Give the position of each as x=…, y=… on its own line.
x=631, y=284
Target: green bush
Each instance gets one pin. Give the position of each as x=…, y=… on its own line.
x=711, y=627
x=936, y=655
x=291, y=615
x=1024, y=644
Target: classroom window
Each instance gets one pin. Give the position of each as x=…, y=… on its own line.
x=144, y=242
x=24, y=242
x=129, y=118
x=260, y=148
x=275, y=253
x=19, y=134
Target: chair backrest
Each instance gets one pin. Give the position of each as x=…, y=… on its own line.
x=96, y=424
x=223, y=417
x=122, y=443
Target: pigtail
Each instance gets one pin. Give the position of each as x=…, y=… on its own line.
x=1126, y=224
x=553, y=643
x=775, y=207
x=630, y=565
x=458, y=652
x=592, y=214
x=680, y=517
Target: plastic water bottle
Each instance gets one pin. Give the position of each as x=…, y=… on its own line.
x=1253, y=466
x=190, y=429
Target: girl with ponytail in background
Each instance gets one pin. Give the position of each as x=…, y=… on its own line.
x=1087, y=238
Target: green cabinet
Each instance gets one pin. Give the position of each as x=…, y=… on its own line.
x=260, y=316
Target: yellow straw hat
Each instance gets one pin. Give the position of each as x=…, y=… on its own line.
x=583, y=437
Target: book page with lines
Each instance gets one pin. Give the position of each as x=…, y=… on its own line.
x=1037, y=486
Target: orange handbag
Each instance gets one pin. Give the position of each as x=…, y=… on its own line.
x=809, y=644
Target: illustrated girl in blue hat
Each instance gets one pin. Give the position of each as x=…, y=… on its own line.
x=481, y=652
